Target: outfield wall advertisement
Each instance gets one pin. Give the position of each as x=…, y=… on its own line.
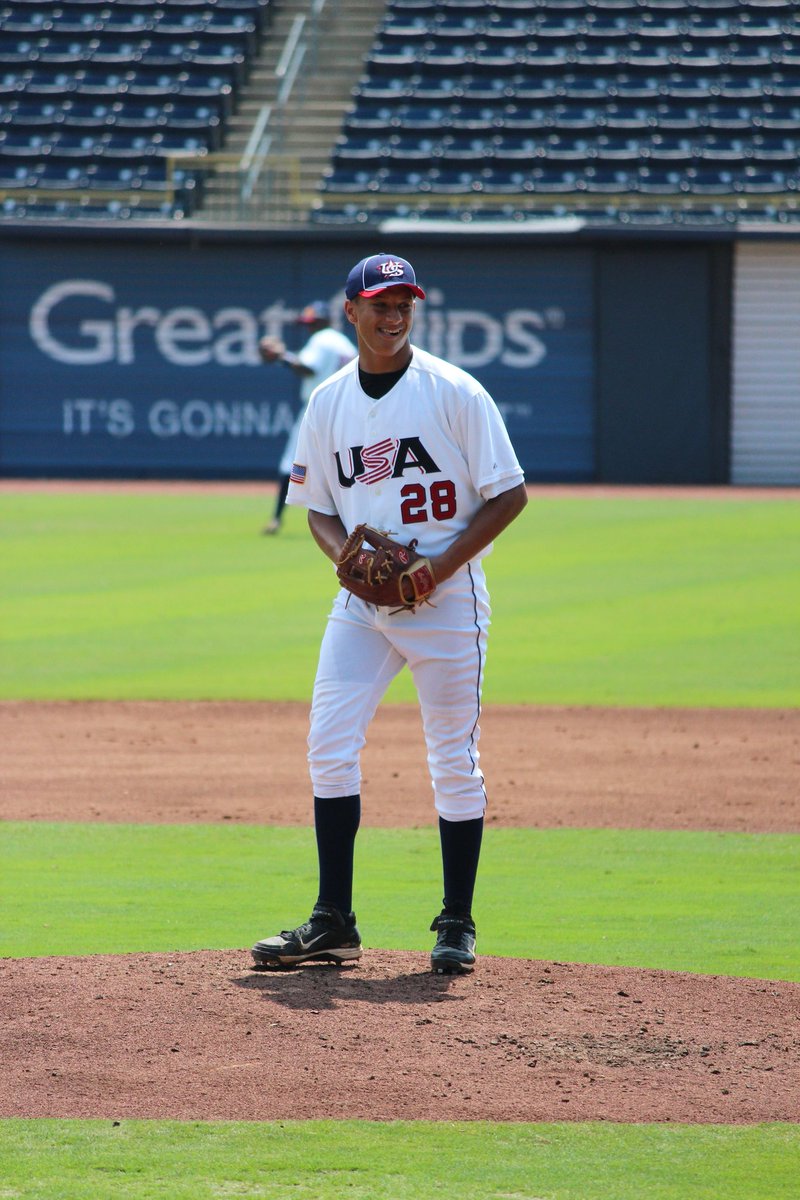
x=141, y=360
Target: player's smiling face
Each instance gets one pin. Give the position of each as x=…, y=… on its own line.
x=383, y=325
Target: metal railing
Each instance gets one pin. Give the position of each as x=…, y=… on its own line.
x=272, y=192
x=255, y=154
x=266, y=140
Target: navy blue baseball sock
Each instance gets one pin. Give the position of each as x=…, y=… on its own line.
x=336, y=824
x=461, y=849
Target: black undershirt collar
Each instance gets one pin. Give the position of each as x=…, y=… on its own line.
x=378, y=385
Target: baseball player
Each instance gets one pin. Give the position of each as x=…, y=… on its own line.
x=325, y=351
x=410, y=444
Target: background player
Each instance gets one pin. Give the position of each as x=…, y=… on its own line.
x=407, y=443
x=325, y=351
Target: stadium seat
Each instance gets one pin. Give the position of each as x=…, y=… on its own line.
x=753, y=181
x=29, y=114
x=659, y=98
x=776, y=116
x=95, y=94
x=609, y=147
x=666, y=114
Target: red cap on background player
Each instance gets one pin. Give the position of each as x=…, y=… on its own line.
x=378, y=272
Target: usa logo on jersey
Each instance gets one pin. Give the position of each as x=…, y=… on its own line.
x=387, y=459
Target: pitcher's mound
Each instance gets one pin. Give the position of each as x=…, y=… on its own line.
x=202, y=1036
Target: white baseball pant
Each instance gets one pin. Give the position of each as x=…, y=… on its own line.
x=364, y=648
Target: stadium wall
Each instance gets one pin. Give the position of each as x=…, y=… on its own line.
x=132, y=353
x=765, y=418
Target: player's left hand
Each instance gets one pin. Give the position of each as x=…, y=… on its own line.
x=384, y=572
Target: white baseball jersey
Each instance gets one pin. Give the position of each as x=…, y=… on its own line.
x=418, y=462
x=324, y=353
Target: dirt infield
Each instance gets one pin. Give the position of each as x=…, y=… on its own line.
x=720, y=769
x=201, y=1036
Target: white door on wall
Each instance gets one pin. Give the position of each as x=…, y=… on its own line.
x=766, y=364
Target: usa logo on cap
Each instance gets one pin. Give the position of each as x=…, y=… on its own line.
x=379, y=271
x=391, y=268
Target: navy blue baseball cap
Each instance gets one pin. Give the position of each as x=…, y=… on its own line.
x=317, y=310
x=378, y=272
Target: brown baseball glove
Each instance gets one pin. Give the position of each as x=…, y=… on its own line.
x=383, y=572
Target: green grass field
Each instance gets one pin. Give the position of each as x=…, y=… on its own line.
x=715, y=903
x=143, y=1160
x=612, y=600
x=609, y=601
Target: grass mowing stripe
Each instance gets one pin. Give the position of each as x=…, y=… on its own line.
x=705, y=902
x=149, y=1160
x=138, y=596
x=648, y=601
x=627, y=601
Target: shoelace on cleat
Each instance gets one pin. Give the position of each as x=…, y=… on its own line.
x=451, y=935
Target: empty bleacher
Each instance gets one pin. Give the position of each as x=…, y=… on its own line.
x=618, y=109
x=100, y=100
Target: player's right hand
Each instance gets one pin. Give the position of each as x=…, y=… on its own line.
x=271, y=349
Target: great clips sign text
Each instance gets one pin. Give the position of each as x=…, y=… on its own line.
x=143, y=360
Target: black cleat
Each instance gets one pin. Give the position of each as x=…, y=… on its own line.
x=327, y=936
x=454, y=952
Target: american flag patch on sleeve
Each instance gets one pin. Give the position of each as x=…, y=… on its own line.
x=298, y=474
